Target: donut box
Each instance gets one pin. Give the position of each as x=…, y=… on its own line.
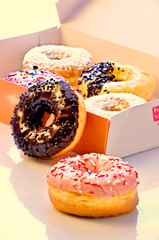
x=129, y=132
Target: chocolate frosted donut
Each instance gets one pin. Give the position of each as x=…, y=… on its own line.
x=54, y=101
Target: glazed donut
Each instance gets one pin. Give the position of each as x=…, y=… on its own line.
x=69, y=62
x=27, y=78
x=108, y=105
x=93, y=185
x=107, y=77
x=49, y=119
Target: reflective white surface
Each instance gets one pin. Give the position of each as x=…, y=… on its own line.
x=26, y=211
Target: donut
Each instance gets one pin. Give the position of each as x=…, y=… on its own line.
x=108, y=105
x=49, y=119
x=107, y=77
x=27, y=78
x=67, y=61
x=93, y=185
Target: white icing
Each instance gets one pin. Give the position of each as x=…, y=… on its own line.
x=52, y=56
x=98, y=104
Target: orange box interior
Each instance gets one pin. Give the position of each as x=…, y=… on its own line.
x=95, y=135
x=9, y=95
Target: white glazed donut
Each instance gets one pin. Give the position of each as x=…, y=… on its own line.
x=69, y=62
x=108, y=105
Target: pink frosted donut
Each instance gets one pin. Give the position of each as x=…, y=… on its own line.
x=26, y=78
x=94, y=185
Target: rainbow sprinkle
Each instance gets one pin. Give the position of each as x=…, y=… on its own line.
x=28, y=78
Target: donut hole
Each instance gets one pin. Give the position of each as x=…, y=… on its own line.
x=47, y=119
x=41, y=116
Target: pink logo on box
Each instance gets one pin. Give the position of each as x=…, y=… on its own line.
x=155, y=111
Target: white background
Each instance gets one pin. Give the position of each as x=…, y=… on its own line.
x=20, y=17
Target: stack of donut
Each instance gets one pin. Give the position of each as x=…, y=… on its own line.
x=76, y=65
x=50, y=118
x=112, y=87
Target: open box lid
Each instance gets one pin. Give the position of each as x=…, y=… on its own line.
x=131, y=24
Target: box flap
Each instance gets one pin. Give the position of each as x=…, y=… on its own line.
x=138, y=127
x=66, y=9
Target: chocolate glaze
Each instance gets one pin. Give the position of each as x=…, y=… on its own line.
x=54, y=97
x=97, y=76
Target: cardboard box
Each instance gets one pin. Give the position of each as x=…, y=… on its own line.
x=129, y=132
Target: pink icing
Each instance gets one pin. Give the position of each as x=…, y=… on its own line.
x=27, y=78
x=95, y=174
